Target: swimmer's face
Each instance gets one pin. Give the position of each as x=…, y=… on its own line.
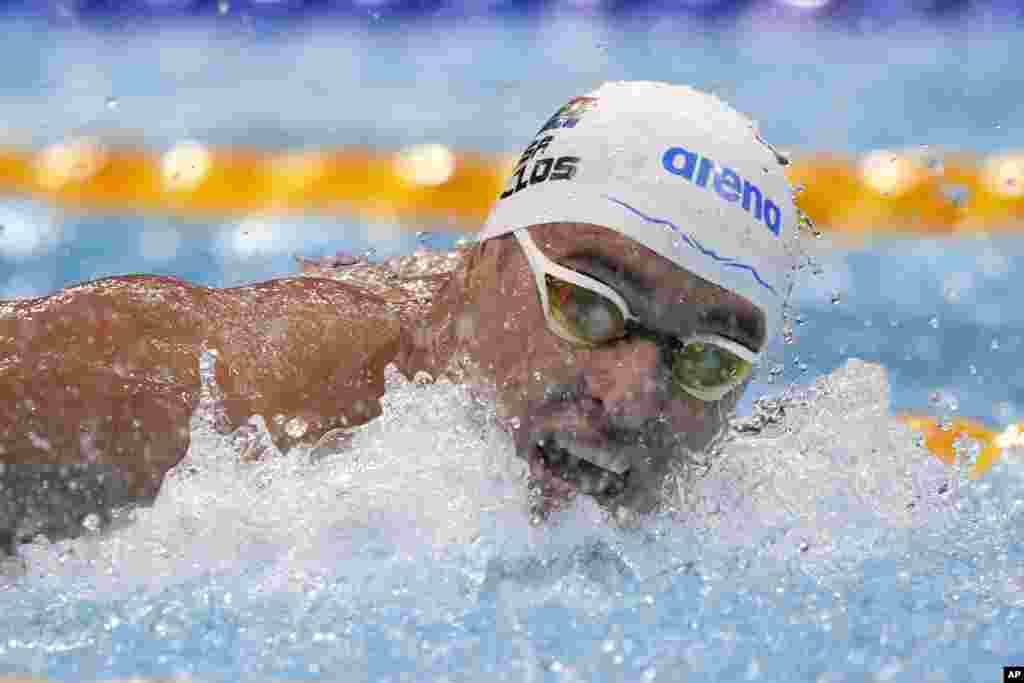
x=574, y=409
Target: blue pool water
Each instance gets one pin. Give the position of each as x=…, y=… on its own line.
x=828, y=547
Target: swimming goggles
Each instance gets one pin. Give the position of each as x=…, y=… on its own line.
x=587, y=313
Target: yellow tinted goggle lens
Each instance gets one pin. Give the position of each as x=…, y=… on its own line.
x=708, y=372
x=583, y=316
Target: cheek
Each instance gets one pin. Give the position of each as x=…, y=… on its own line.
x=689, y=415
x=507, y=340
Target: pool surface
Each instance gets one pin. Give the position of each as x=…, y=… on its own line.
x=827, y=545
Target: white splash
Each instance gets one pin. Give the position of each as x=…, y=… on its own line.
x=434, y=474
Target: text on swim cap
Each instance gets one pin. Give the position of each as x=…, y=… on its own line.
x=547, y=168
x=726, y=182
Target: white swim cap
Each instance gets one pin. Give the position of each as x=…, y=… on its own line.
x=677, y=170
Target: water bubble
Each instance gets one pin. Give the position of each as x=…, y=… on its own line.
x=994, y=345
x=223, y=7
x=112, y=103
x=972, y=369
x=934, y=322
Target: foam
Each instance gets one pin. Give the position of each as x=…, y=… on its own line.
x=414, y=539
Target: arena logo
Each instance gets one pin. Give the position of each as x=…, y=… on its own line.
x=726, y=182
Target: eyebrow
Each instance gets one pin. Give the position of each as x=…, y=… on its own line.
x=735, y=324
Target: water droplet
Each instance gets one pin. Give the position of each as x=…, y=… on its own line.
x=944, y=401
x=805, y=224
x=972, y=369
x=91, y=522
x=370, y=253
x=935, y=165
x=787, y=332
x=934, y=322
x=967, y=450
x=223, y=7
x=994, y=345
x=958, y=194
x=112, y=103
x=836, y=298
x=296, y=427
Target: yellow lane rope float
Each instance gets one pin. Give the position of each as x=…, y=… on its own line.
x=916, y=191
x=951, y=440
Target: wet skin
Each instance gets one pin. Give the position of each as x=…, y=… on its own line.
x=614, y=404
x=104, y=376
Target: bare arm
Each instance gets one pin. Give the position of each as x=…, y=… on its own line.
x=103, y=378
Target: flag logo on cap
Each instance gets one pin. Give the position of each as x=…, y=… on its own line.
x=569, y=115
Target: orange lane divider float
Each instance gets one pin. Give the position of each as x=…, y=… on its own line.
x=945, y=439
x=921, y=190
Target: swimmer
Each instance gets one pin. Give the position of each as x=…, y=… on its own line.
x=614, y=308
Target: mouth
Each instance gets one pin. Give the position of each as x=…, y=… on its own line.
x=562, y=468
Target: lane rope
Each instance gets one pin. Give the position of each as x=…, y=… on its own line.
x=916, y=191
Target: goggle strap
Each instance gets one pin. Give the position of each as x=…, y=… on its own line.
x=541, y=265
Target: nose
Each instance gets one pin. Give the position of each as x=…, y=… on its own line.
x=629, y=380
